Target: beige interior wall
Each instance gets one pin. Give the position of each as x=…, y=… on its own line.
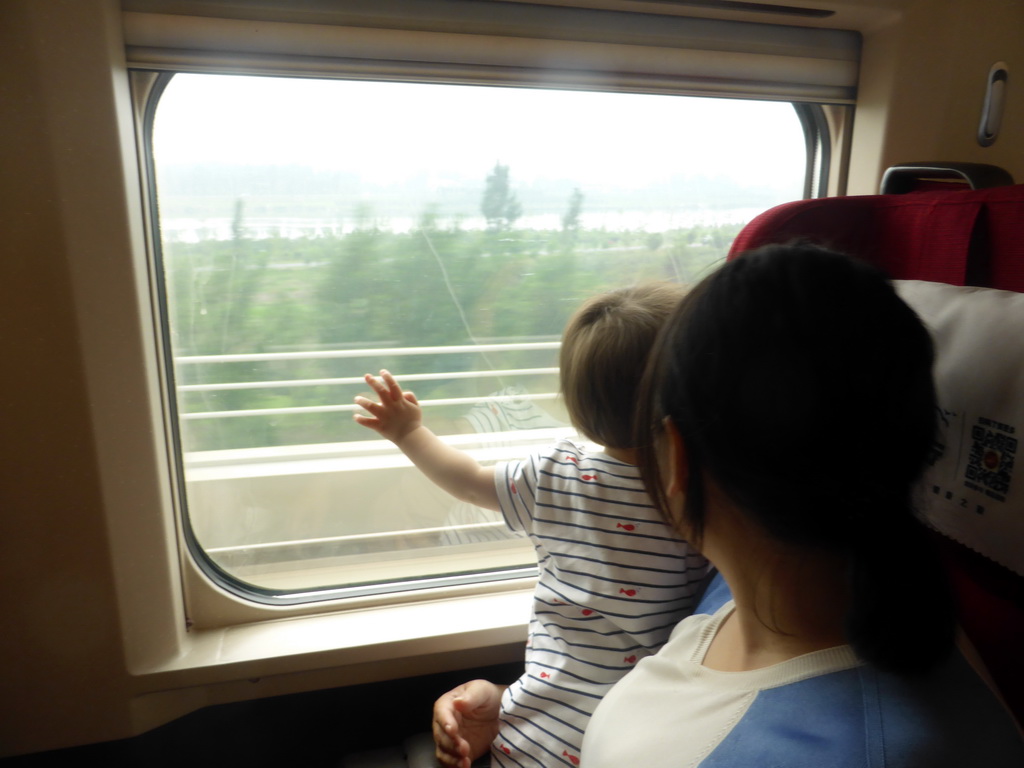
x=62, y=674
x=922, y=87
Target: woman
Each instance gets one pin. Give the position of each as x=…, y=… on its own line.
x=791, y=410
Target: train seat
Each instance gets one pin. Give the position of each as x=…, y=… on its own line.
x=958, y=260
x=962, y=237
x=998, y=261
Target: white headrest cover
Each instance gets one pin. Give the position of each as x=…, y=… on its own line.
x=971, y=493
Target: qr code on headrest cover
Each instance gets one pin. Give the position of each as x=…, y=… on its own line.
x=991, y=457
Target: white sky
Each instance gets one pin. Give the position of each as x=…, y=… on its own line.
x=387, y=131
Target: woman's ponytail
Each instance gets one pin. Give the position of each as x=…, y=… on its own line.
x=900, y=617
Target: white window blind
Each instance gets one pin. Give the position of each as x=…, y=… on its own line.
x=496, y=43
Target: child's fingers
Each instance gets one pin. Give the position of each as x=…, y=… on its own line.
x=411, y=398
x=377, y=385
x=368, y=405
x=450, y=757
x=446, y=727
x=447, y=750
x=445, y=758
x=393, y=389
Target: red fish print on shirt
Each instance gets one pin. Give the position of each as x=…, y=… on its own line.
x=572, y=459
x=572, y=758
x=588, y=477
x=630, y=659
x=626, y=526
x=628, y=592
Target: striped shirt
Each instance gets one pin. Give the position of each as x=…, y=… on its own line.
x=614, y=581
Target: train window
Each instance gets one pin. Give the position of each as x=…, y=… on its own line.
x=311, y=230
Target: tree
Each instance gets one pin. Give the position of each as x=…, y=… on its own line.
x=500, y=206
x=238, y=221
x=571, y=219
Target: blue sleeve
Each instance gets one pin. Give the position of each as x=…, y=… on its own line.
x=716, y=593
x=812, y=723
x=863, y=718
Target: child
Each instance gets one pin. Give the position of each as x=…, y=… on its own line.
x=614, y=577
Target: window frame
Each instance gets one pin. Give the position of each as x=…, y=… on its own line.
x=148, y=87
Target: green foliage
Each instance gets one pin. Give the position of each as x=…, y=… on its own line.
x=571, y=219
x=500, y=206
x=373, y=288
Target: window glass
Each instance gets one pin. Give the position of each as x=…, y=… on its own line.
x=314, y=230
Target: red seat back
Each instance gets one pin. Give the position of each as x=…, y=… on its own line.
x=999, y=257
x=969, y=237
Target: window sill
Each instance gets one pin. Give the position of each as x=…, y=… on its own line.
x=350, y=647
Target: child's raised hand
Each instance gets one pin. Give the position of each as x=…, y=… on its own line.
x=396, y=415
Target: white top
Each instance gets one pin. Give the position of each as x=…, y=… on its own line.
x=714, y=701
x=615, y=580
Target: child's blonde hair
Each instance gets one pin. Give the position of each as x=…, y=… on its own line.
x=604, y=351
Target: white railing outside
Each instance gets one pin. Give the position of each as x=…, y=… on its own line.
x=257, y=508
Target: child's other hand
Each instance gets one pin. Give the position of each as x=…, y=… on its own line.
x=396, y=415
x=466, y=722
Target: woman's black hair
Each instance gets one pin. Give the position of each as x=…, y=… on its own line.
x=802, y=384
